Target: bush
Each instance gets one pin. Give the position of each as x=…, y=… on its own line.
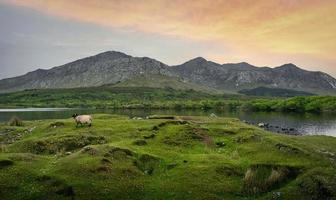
x=15, y=121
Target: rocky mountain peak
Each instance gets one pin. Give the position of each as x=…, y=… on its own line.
x=197, y=60
x=288, y=66
x=112, y=55
x=113, y=67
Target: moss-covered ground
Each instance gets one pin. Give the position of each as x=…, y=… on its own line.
x=162, y=158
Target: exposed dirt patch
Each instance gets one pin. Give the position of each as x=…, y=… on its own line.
x=262, y=178
x=203, y=135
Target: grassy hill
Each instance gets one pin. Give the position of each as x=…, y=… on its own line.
x=156, y=158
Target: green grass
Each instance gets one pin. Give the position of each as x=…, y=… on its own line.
x=177, y=159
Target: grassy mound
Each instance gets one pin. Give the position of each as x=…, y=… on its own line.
x=61, y=144
x=163, y=158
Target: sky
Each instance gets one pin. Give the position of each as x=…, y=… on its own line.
x=46, y=33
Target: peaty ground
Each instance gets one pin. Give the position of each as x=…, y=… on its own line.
x=162, y=158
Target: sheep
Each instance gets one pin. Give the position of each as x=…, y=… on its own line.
x=82, y=119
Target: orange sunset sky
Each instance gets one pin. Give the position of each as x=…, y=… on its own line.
x=261, y=32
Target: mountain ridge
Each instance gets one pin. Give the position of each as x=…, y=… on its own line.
x=113, y=67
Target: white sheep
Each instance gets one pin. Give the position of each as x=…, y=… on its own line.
x=82, y=119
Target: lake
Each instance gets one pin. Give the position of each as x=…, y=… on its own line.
x=307, y=124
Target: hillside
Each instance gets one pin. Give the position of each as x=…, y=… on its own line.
x=161, y=81
x=174, y=158
x=115, y=68
x=274, y=92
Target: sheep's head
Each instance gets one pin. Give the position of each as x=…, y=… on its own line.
x=74, y=115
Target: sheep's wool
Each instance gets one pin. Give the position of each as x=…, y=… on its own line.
x=84, y=119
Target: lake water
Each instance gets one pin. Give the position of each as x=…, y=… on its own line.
x=302, y=123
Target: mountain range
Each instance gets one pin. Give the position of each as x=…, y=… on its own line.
x=119, y=69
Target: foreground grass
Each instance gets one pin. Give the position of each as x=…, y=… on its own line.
x=176, y=158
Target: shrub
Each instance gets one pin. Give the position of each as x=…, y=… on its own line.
x=15, y=121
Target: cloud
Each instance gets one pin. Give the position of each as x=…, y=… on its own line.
x=253, y=28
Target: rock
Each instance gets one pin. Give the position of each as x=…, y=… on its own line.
x=276, y=195
x=137, y=118
x=31, y=129
x=87, y=148
x=213, y=115
x=57, y=124
x=68, y=153
x=261, y=125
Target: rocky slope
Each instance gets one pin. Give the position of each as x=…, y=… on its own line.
x=115, y=67
x=105, y=68
x=234, y=77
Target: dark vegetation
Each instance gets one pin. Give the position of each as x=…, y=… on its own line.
x=274, y=92
x=15, y=121
x=166, y=98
